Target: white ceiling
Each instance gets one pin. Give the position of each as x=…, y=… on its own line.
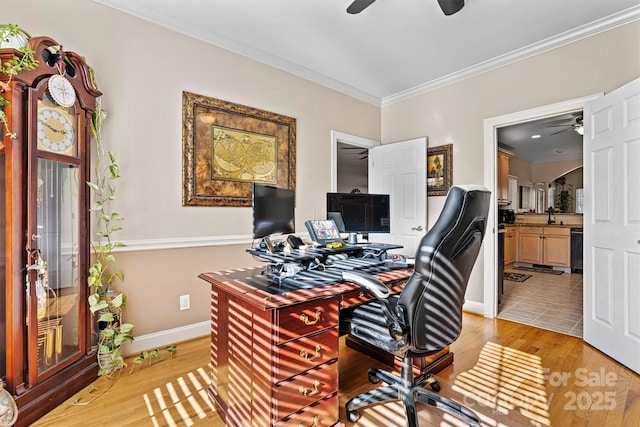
x=394, y=49
x=557, y=140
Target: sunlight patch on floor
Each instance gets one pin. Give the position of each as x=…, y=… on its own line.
x=505, y=380
x=181, y=401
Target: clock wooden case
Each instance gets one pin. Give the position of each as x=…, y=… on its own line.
x=45, y=324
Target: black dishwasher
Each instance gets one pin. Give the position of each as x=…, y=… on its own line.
x=576, y=250
x=500, y=262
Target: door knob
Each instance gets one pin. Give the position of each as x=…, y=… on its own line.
x=418, y=228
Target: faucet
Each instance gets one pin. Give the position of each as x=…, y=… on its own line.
x=550, y=211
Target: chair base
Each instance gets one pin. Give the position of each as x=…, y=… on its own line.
x=409, y=391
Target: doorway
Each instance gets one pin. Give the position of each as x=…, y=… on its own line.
x=348, y=169
x=491, y=126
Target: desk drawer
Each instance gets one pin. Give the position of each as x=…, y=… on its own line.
x=323, y=413
x=300, y=355
x=306, y=318
x=305, y=389
x=356, y=297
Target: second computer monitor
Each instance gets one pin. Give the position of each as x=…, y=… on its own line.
x=360, y=213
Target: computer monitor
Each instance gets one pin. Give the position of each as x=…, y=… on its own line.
x=361, y=213
x=273, y=210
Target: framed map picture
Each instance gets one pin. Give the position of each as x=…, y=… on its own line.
x=226, y=147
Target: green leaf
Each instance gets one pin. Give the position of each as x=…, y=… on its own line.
x=101, y=305
x=93, y=299
x=118, y=300
x=113, y=171
x=93, y=186
x=125, y=328
x=106, y=317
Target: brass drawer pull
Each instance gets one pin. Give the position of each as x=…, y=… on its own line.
x=308, y=322
x=316, y=422
x=308, y=393
x=305, y=354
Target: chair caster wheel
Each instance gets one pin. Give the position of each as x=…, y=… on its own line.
x=435, y=386
x=373, y=379
x=352, y=416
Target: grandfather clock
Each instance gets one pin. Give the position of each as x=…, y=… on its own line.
x=46, y=327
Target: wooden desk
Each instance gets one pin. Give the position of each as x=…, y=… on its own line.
x=274, y=354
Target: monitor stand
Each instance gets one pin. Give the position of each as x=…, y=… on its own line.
x=353, y=239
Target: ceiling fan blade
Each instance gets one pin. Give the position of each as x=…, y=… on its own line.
x=564, y=130
x=449, y=7
x=358, y=6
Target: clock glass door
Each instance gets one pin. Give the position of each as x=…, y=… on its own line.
x=54, y=263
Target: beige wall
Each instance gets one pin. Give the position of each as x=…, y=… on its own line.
x=142, y=70
x=546, y=172
x=522, y=169
x=455, y=114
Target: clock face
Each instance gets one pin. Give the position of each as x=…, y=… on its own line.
x=62, y=91
x=55, y=131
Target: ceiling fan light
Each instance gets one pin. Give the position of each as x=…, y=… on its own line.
x=579, y=129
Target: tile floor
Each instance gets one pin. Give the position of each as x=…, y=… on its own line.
x=546, y=301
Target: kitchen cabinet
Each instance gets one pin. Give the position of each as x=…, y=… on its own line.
x=556, y=249
x=510, y=238
x=503, y=176
x=544, y=245
x=530, y=245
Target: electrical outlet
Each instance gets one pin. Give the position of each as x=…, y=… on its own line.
x=185, y=302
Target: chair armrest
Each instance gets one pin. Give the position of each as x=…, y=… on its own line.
x=395, y=324
x=369, y=282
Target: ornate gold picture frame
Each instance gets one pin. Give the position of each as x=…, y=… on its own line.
x=226, y=147
x=439, y=170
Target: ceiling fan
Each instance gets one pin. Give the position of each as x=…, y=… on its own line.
x=363, y=152
x=449, y=7
x=577, y=126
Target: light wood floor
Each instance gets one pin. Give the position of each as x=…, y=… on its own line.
x=510, y=374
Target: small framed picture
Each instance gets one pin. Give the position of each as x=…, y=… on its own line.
x=439, y=168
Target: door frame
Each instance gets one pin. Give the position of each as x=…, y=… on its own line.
x=345, y=138
x=490, y=252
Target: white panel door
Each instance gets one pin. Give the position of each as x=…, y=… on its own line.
x=612, y=224
x=400, y=170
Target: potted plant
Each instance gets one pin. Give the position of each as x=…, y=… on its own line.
x=104, y=301
x=13, y=36
x=564, y=201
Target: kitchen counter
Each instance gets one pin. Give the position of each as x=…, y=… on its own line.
x=544, y=224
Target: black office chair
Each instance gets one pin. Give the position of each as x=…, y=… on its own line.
x=427, y=315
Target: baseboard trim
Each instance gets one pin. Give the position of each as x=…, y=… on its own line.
x=197, y=330
x=474, y=307
x=167, y=337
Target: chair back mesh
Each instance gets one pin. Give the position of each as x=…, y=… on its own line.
x=433, y=296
